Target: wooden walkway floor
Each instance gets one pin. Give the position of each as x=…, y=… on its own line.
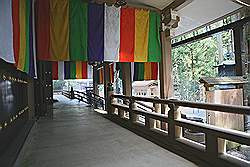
x=80, y=137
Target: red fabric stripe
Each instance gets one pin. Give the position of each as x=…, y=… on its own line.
x=127, y=43
x=43, y=29
x=55, y=70
x=16, y=29
x=84, y=70
x=154, y=68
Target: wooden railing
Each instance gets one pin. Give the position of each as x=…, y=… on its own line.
x=91, y=98
x=215, y=137
x=66, y=93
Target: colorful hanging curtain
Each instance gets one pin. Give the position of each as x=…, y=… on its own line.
x=145, y=71
x=71, y=70
x=91, y=32
x=59, y=30
x=78, y=36
x=6, y=32
x=141, y=35
x=24, y=36
x=111, y=33
x=127, y=35
x=95, y=32
x=43, y=29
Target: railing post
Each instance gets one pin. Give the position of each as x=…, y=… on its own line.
x=121, y=113
x=173, y=114
x=132, y=105
x=156, y=123
x=72, y=95
x=211, y=146
x=221, y=146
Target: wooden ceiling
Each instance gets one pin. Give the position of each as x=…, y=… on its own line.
x=159, y=4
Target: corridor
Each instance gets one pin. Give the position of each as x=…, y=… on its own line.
x=80, y=137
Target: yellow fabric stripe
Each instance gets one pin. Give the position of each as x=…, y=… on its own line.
x=147, y=71
x=22, y=24
x=78, y=70
x=141, y=35
x=59, y=30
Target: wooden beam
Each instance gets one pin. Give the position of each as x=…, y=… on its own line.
x=214, y=31
x=242, y=2
x=176, y=5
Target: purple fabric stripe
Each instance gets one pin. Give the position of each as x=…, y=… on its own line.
x=31, y=61
x=66, y=70
x=95, y=32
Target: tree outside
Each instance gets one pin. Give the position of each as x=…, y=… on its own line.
x=197, y=59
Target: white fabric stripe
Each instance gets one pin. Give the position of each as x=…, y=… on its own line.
x=61, y=70
x=34, y=36
x=90, y=72
x=112, y=33
x=132, y=71
x=6, y=31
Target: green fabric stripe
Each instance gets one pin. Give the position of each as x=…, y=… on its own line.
x=154, y=48
x=119, y=68
x=78, y=34
x=72, y=70
x=141, y=71
x=27, y=54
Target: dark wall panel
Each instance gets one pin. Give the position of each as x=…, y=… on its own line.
x=14, y=110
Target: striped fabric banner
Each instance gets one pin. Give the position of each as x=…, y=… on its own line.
x=6, y=32
x=93, y=32
x=154, y=41
x=61, y=70
x=70, y=70
x=145, y=71
x=16, y=28
x=43, y=29
x=59, y=30
x=141, y=35
x=24, y=36
x=111, y=33
x=127, y=34
x=78, y=30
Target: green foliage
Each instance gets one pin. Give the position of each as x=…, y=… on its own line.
x=58, y=84
x=190, y=62
x=197, y=59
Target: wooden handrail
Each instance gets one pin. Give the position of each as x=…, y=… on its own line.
x=146, y=106
x=212, y=133
x=207, y=106
x=95, y=95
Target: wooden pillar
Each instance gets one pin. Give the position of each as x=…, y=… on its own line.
x=166, y=81
x=238, y=38
x=156, y=123
x=127, y=81
x=31, y=98
x=44, y=89
x=106, y=82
